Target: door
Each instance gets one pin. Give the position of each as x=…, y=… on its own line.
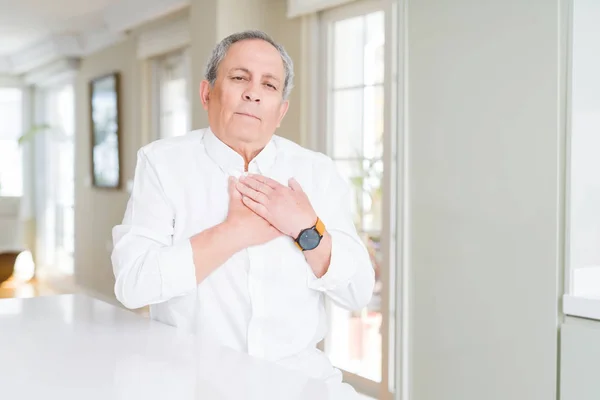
x=356, y=92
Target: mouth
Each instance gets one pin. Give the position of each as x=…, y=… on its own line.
x=248, y=115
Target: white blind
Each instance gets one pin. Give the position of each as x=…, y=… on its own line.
x=11, y=123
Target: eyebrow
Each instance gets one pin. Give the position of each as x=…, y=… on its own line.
x=246, y=70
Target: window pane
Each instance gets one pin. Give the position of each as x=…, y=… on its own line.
x=59, y=196
x=173, y=96
x=10, y=168
x=374, y=48
x=356, y=344
x=351, y=171
x=348, y=52
x=371, y=201
x=584, y=224
x=356, y=128
x=10, y=113
x=373, y=122
x=347, y=116
x=11, y=126
x=66, y=110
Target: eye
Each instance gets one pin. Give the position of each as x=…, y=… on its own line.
x=238, y=78
x=270, y=86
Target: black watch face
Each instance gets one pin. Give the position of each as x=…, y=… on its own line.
x=309, y=239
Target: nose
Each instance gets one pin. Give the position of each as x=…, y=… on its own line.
x=251, y=95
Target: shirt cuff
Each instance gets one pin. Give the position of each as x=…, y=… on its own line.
x=177, y=270
x=342, y=265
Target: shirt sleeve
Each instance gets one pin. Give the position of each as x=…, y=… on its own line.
x=149, y=268
x=350, y=278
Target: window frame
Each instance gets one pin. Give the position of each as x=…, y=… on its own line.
x=572, y=305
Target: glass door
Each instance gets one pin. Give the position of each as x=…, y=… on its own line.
x=355, y=113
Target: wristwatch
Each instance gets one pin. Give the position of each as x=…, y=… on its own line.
x=309, y=238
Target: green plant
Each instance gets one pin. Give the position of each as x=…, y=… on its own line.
x=32, y=133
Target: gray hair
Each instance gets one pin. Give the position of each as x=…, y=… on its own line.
x=221, y=49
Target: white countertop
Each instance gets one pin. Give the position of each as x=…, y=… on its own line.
x=75, y=347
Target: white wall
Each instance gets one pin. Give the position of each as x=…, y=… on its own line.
x=97, y=210
x=484, y=147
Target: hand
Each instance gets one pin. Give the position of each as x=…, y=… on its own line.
x=286, y=208
x=248, y=227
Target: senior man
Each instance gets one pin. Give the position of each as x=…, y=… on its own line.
x=237, y=234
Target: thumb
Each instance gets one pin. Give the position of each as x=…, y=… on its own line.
x=294, y=185
x=233, y=192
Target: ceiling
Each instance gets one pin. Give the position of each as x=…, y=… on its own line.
x=36, y=33
x=24, y=23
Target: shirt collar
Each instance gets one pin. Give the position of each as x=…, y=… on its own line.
x=233, y=163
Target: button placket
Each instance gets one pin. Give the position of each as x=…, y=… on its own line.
x=256, y=345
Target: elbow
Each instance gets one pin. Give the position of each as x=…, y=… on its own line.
x=127, y=296
x=129, y=287
x=364, y=295
x=359, y=290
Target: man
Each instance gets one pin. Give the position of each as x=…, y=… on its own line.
x=238, y=234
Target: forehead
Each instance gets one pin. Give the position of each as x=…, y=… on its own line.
x=256, y=55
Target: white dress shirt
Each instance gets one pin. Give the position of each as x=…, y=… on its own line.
x=265, y=300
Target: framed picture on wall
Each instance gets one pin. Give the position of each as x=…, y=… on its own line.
x=105, y=131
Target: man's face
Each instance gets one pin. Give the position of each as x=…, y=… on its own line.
x=246, y=104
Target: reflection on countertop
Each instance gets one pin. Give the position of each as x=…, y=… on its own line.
x=74, y=346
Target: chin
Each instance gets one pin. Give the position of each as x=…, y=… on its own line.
x=247, y=134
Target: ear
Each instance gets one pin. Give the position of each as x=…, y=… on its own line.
x=204, y=93
x=282, y=111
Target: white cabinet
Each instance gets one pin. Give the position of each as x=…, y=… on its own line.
x=580, y=360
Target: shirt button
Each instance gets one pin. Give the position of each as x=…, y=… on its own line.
x=235, y=173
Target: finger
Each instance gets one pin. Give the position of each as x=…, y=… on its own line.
x=294, y=185
x=257, y=185
x=272, y=183
x=233, y=192
x=248, y=191
x=258, y=208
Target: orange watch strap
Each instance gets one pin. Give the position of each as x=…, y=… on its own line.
x=320, y=226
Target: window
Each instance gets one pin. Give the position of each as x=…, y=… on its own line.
x=353, y=114
x=61, y=153
x=55, y=179
x=172, y=105
x=11, y=128
x=583, y=213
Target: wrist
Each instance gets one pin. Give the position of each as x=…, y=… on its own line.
x=310, y=238
x=306, y=225
x=232, y=234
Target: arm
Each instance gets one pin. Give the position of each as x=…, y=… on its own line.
x=149, y=267
x=341, y=263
